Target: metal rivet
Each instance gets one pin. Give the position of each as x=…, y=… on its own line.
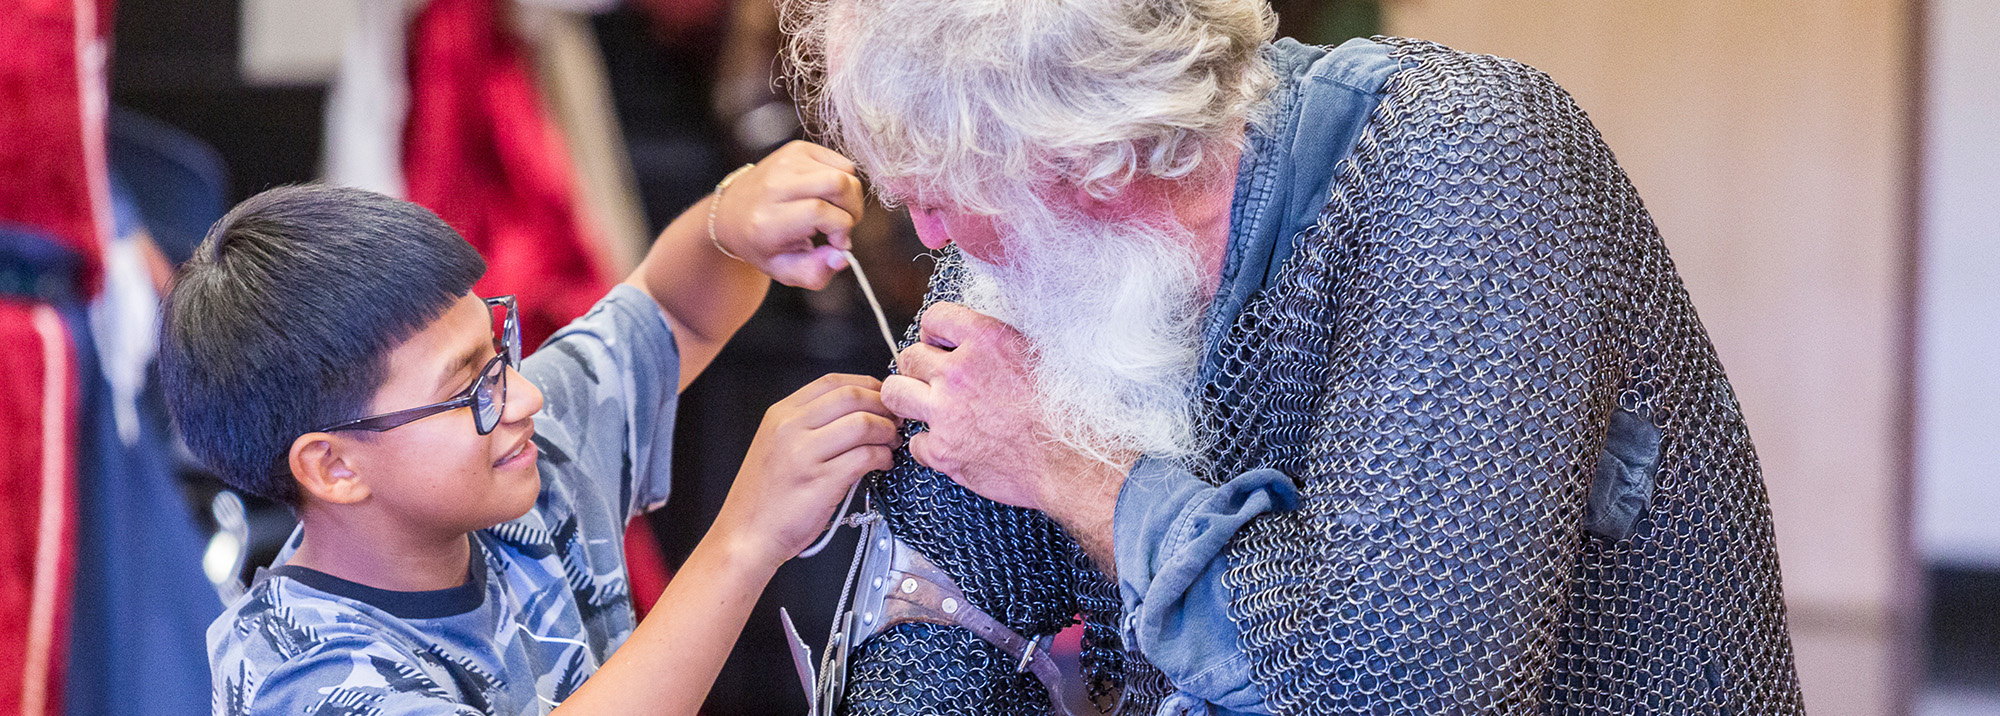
x=878, y=583
x=950, y=605
x=882, y=543
x=868, y=618
x=909, y=585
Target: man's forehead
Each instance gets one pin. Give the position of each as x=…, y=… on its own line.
x=917, y=193
x=903, y=191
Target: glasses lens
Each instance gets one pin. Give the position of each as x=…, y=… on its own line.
x=512, y=331
x=490, y=398
x=506, y=329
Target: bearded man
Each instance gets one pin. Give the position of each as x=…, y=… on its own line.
x=1360, y=372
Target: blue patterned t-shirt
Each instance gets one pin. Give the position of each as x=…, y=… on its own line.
x=546, y=599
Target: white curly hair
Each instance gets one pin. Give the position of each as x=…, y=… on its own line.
x=977, y=104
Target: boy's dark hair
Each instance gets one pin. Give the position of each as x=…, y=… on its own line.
x=283, y=320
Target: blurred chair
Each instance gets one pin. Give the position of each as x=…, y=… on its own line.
x=177, y=181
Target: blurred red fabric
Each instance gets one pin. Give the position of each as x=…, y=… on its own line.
x=646, y=565
x=482, y=152
x=38, y=405
x=52, y=181
x=52, y=166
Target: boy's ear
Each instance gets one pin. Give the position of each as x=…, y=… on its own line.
x=323, y=471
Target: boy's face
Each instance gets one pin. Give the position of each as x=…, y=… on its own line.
x=438, y=473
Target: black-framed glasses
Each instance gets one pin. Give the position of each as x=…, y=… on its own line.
x=487, y=396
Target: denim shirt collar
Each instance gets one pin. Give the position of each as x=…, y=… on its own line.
x=1305, y=126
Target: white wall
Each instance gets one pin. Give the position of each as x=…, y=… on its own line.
x=286, y=42
x=1958, y=419
x=1771, y=141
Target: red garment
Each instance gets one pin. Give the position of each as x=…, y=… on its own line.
x=38, y=409
x=52, y=167
x=481, y=151
x=53, y=179
x=646, y=567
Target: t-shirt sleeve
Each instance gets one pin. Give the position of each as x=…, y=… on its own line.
x=610, y=383
x=344, y=676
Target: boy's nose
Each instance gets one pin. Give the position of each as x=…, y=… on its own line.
x=523, y=398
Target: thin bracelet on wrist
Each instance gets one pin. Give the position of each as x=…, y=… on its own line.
x=716, y=202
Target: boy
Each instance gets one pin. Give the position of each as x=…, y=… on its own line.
x=455, y=555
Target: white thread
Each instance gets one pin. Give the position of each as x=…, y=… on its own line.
x=827, y=538
x=881, y=320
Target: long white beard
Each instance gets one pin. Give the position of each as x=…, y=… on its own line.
x=1112, y=313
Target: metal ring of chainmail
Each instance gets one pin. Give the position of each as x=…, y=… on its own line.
x=1528, y=485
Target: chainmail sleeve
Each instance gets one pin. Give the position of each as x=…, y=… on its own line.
x=1483, y=302
x=1443, y=516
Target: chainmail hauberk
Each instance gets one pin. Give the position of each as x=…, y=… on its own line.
x=1528, y=485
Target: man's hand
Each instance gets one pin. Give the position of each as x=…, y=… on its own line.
x=968, y=379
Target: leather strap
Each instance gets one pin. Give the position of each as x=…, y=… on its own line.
x=912, y=589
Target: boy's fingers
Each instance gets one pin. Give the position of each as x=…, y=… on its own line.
x=852, y=430
x=799, y=271
x=823, y=155
x=833, y=186
x=807, y=269
x=907, y=397
x=843, y=191
x=860, y=460
x=840, y=402
x=829, y=383
x=834, y=221
x=811, y=180
x=789, y=227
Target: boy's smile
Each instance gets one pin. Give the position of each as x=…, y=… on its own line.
x=524, y=452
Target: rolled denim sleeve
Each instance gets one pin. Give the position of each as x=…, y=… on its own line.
x=1170, y=534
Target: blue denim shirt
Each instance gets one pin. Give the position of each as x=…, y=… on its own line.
x=1171, y=529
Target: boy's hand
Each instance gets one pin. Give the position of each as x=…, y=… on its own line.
x=769, y=214
x=810, y=448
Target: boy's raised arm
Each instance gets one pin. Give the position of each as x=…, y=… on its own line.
x=766, y=217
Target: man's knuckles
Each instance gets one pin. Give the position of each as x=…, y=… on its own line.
x=921, y=361
x=943, y=326
x=962, y=318
x=906, y=396
x=923, y=447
